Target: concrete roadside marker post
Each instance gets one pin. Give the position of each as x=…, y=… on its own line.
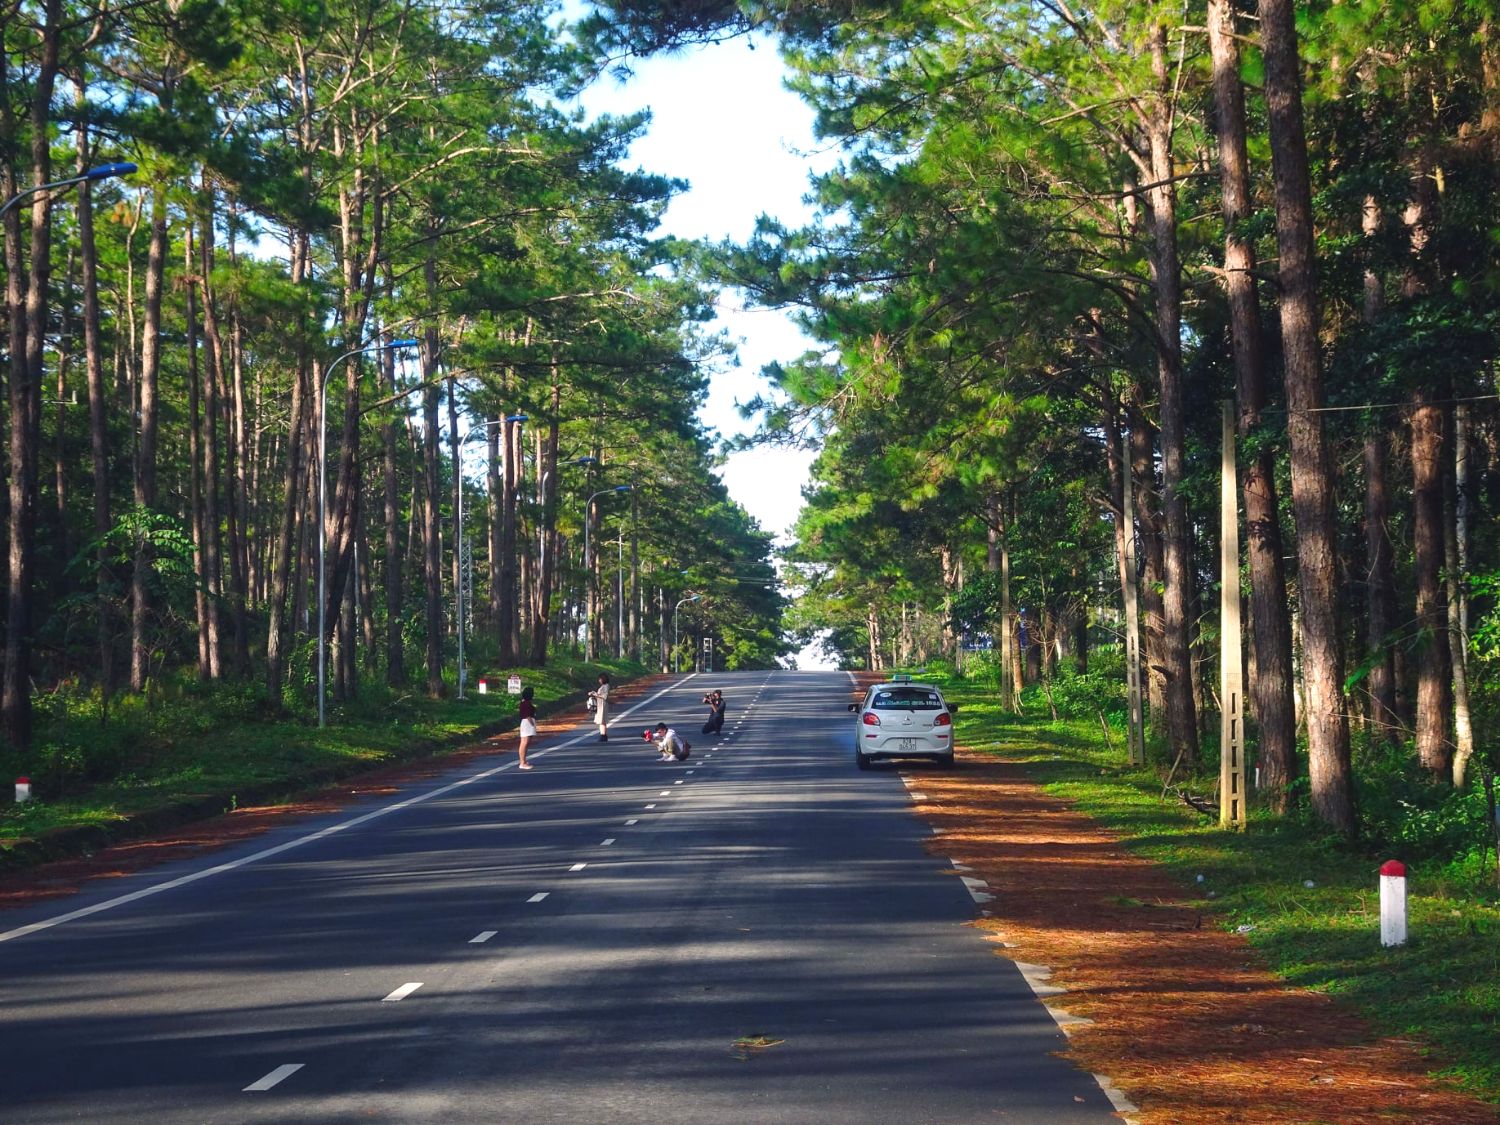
x=1392, y=903
x=23, y=790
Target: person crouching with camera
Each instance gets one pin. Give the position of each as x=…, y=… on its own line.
x=714, y=700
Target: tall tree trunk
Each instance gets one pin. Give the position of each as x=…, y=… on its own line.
x=287, y=538
x=1271, y=626
x=145, y=464
x=1434, y=747
x=547, y=544
x=1148, y=524
x=195, y=463
x=218, y=406
x=1454, y=578
x=431, y=532
x=635, y=576
x=1177, y=591
x=1312, y=480
x=98, y=405
x=1380, y=590
x=494, y=479
x=508, y=623
x=456, y=461
x=395, y=653
x=25, y=391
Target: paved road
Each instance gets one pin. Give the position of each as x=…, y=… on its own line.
x=582, y=943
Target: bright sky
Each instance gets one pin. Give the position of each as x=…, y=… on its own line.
x=722, y=120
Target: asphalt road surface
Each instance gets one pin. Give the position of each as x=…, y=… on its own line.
x=756, y=935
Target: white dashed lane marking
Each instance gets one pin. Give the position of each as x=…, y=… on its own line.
x=281, y=1073
x=651, y=806
x=538, y=896
x=631, y=821
x=403, y=992
x=674, y=783
x=607, y=843
x=577, y=867
x=482, y=936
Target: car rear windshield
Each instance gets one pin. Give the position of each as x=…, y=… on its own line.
x=906, y=699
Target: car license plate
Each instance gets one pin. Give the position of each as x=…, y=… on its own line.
x=908, y=745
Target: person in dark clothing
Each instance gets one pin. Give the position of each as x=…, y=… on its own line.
x=716, y=709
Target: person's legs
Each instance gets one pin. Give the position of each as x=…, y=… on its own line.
x=525, y=740
x=600, y=717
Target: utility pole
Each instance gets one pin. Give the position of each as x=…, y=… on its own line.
x=1231, y=670
x=1135, y=720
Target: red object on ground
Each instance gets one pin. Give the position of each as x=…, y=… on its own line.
x=1393, y=867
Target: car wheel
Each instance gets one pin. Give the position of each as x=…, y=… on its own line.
x=946, y=759
x=860, y=760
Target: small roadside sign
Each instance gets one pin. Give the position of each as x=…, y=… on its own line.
x=513, y=685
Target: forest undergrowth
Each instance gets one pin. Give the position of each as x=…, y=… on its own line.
x=98, y=766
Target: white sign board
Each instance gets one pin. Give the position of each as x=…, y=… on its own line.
x=513, y=685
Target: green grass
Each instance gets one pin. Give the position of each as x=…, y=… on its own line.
x=218, y=744
x=1441, y=989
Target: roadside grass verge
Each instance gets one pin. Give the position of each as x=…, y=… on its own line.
x=196, y=750
x=1308, y=903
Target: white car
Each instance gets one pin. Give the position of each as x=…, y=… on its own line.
x=903, y=719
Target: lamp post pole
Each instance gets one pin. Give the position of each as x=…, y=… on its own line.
x=323, y=513
x=675, y=608
x=588, y=570
x=458, y=536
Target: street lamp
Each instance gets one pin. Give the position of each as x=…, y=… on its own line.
x=323, y=511
x=458, y=535
x=103, y=172
x=679, y=605
x=588, y=569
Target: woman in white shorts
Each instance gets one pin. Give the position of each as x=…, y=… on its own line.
x=527, y=711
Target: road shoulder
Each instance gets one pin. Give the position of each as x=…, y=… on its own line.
x=1182, y=1015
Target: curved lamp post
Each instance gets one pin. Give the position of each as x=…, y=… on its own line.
x=588, y=569
x=323, y=511
x=679, y=605
x=103, y=172
x=458, y=592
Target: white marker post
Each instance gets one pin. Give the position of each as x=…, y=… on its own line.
x=23, y=790
x=1393, y=903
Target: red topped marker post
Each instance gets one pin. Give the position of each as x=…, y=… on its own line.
x=1392, y=903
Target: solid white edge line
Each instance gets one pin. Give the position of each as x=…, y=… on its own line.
x=482, y=936
x=280, y=1074
x=403, y=992
x=332, y=829
x=538, y=896
x=1123, y=1105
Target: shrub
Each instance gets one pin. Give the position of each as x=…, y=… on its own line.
x=1083, y=695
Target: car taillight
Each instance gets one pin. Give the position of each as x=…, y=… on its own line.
x=871, y=719
x=943, y=720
